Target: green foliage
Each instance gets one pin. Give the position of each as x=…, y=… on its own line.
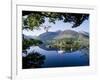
x=35, y=19
x=27, y=43
x=68, y=44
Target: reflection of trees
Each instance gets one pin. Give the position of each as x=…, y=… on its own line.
x=26, y=43
x=68, y=44
x=33, y=60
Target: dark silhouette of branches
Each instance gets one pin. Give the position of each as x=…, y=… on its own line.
x=35, y=19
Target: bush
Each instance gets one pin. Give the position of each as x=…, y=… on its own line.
x=27, y=43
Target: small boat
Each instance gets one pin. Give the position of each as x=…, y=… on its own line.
x=60, y=51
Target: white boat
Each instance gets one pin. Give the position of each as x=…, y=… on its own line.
x=60, y=51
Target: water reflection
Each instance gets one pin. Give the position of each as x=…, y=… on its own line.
x=41, y=57
x=33, y=60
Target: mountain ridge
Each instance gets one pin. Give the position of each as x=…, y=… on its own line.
x=62, y=34
x=59, y=35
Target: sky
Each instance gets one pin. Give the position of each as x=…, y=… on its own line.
x=59, y=25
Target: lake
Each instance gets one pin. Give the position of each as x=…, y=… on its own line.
x=54, y=58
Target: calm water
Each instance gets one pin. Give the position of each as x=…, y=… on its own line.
x=55, y=59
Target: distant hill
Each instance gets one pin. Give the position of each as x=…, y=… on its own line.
x=48, y=35
x=59, y=35
x=62, y=34
x=67, y=34
x=84, y=34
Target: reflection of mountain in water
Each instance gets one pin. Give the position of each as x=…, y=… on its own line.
x=51, y=58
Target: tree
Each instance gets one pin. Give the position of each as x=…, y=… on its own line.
x=35, y=19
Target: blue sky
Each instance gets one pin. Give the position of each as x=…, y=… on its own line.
x=59, y=25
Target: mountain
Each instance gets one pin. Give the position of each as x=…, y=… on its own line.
x=58, y=35
x=61, y=35
x=67, y=34
x=84, y=34
x=48, y=35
